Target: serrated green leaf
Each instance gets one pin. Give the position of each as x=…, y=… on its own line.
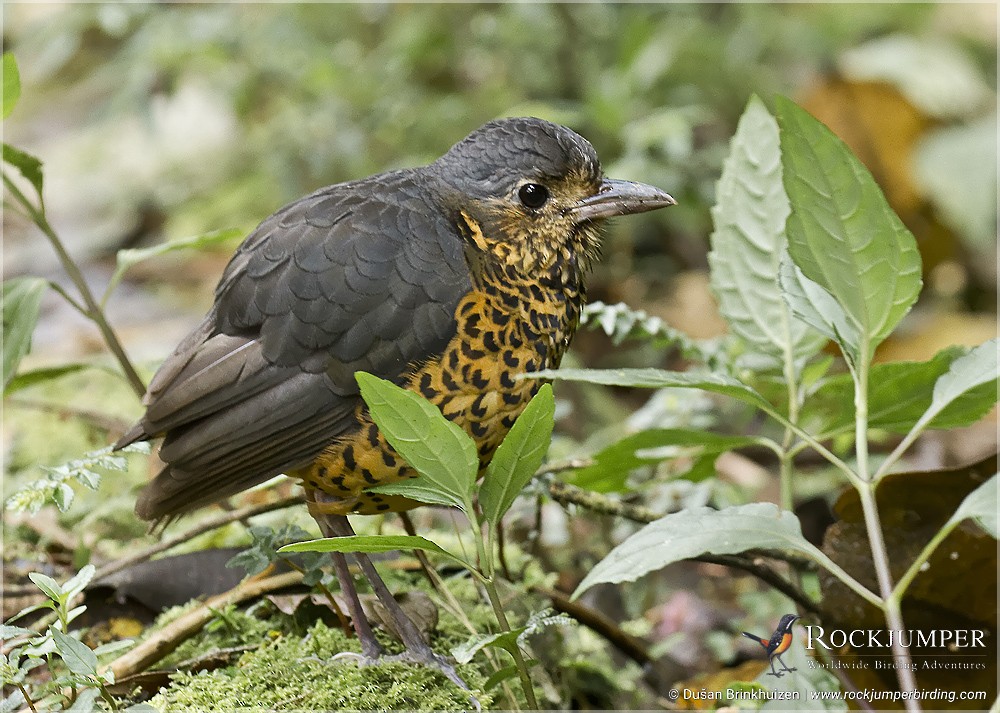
x=441, y=452
x=968, y=372
x=29, y=166
x=700, y=531
x=841, y=231
x=126, y=259
x=659, y=379
x=11, y=83
x=63, y=496
x=519, y=456
x=980, y=505
x=747, y=242
x=49, y=586
x=22, y=299
x=898, y=395
x=813, y=305
x=611, y=467
x=77, y=656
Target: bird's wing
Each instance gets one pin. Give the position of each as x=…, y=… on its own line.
x=358, y=276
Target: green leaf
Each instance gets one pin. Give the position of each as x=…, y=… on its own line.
x=612, y=465
x=441, y=452
x=700, y=531
x=84, y=702
x=519, y=456
x=22, y=299
x=813, y=305
x=414, y=489
x=370, y=543
x=77, y=656
x=34, y=377
x=49, y=586
x=80, y=581
x=11, y=84
x=29, y=166
x=62, y=496
x=128, y=258
x=659, y=379
x=980, y=505
x=842, y=233
x=7, y=631
x=463, y=653
x=898, y=395
x=747, y=243
x=966, y=374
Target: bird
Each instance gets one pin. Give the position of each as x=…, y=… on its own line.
x=448, y=279
x=778, y=644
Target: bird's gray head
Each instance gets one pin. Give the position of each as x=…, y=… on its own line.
x=529, y=193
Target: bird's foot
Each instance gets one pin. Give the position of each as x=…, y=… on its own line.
x=776, y=674
x=428, y=659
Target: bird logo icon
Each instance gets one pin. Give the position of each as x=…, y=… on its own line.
x=778, y=644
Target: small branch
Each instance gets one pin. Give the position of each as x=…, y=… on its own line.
x=565, y=493
x=214, y=523
x=101, y=420
x=178, y=631
x=596, y=502
x=632, y=646
x=762, y=571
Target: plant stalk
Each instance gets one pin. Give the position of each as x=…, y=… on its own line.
x=880, y=555
x=93, y=310
x=515, y=651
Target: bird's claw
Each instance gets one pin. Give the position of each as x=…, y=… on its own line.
x=431, y=660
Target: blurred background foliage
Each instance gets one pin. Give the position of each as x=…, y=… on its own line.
x=160, y=121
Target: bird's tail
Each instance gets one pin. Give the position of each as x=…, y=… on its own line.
x=762, y=642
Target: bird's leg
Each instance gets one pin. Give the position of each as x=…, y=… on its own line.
x=370, y=647
x=417, y=649
x=774, y=673
x=784, y=666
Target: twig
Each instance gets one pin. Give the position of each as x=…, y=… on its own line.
x=630, y=645
x=101, y=420
x=566, y=493
x=176, y=632
x=214, y=523
x=570, y=494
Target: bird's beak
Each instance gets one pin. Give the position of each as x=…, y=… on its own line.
x=620, y=198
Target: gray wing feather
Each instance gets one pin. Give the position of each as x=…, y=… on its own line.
x=363, y=275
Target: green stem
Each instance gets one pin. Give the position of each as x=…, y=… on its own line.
x=27, y=698
x=485, y=549
x=873, y=525
x=515, y=651
x=784, y=457
x=93, y=311
x=904, y=582
x=106, y=695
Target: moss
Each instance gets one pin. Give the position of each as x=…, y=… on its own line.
x=298, y=673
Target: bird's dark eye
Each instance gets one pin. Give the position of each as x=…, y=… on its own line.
x=533, y=195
